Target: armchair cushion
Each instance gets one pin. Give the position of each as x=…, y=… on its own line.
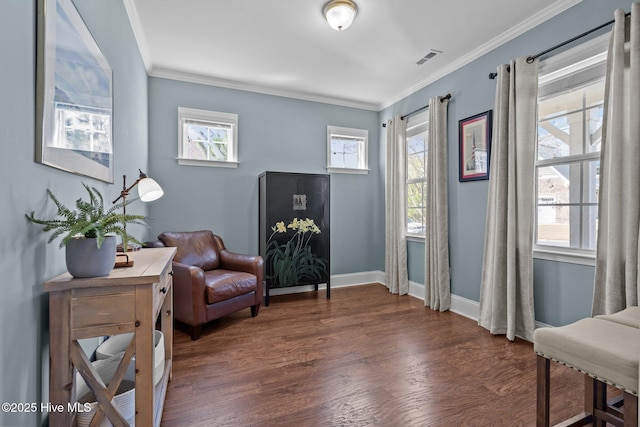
x=225, y=284
x=198, y=248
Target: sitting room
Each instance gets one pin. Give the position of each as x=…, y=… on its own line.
x=320, y=213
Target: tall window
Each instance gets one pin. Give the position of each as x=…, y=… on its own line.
x=570, y=111
x=347, y=150
x=207, y=138
x=416, y=149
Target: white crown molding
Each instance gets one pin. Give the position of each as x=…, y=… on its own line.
x=237, y=85
x=533, y=21
x=138, y=33
x=524, y=26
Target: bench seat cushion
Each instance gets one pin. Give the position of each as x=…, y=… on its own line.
x=630, y=316
x=604, y=350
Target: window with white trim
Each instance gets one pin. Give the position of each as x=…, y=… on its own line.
x=416, y=172
x=570, y=113
x=347, y=150
x=207, y=138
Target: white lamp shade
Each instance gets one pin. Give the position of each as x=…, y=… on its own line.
x=149, y=190
x=340, y=14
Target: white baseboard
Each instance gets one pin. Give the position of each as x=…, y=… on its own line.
x=459, y=305
x=337, y=281
x=462, y=306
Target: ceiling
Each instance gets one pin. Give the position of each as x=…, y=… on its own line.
x=286, y=48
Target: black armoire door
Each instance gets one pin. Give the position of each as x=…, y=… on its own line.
x=294, y=229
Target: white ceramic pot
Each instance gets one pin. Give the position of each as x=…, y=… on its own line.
x=85, y=259
x=116, y=345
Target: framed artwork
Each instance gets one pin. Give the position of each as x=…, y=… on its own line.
x=73, y=95
x=475, y=147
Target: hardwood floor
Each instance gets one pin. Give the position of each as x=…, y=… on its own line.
x=363, y=358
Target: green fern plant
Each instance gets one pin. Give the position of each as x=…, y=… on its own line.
x=90, y=219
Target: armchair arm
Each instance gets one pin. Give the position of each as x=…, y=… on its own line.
x=189, y=303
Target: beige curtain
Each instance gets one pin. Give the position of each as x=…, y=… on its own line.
x=437, y=287
x=506, y=290
x=396, y=274
x=617, y=277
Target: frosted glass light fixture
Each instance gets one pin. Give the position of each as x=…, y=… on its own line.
x=340, y=13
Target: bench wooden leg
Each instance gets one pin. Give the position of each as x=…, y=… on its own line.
x=543, y=370
x=630, y=410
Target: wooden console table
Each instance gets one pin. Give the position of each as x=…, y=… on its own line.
x=127, y=300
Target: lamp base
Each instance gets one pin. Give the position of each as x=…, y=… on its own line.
x=123, y=260
x=131, y=247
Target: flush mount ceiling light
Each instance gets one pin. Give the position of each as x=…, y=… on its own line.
x=340, y=13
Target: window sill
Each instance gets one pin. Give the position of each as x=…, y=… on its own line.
x=210, y=163
x=415, y=238
x=577, y=257
x=348, y=170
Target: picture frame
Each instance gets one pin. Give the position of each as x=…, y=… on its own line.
x=475, y=147
x=74, y=95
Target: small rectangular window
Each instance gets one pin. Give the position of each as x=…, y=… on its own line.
x=207, y=138
x=347, y=150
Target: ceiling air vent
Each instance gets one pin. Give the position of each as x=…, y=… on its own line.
x=428, y=56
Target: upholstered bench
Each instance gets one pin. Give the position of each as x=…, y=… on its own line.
x=630, y=316
x=606, y=350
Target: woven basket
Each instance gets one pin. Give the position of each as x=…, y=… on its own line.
x=124, y=400
x=117, y=344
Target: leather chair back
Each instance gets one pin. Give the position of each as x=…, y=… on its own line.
x=198, y=248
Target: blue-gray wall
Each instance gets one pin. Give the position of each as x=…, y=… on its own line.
x=26, y=261
x=562, y=291
x=274, y=134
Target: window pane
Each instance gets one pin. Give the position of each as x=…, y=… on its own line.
x=196, y=150
x=218, y=151
x=591, y=181
x=415, y=208
x=415, y=193
x=560, y=104
x=557, y=136
x=416, y=157
x=345, y=152
x=594, y=129
x=553, y=185
x=594, y=93
x=197, y=133
x=553, y=225
x=589, y=227
x=221, y=134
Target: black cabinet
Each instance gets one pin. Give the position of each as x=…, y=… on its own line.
x=294, y=229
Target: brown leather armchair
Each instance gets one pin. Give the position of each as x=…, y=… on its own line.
x=209, y=281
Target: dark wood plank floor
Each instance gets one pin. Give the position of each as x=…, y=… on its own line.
x=363, y=358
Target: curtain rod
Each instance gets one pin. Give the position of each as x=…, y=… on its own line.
x=447, y=96
x=532, y=58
